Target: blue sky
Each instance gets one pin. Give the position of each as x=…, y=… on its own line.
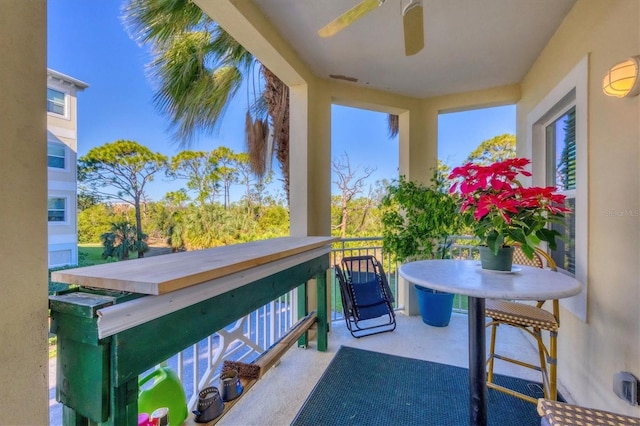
x=86, y=40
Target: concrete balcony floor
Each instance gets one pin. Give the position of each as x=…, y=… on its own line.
x=277, y=397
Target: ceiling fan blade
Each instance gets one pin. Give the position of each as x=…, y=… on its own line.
x=413, y=24
x=349, y=17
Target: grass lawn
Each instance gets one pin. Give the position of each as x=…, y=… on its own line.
x=91, y=254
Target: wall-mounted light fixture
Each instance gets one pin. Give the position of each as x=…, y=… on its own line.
x=622, y=79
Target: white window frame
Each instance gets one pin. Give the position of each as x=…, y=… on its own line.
x=66, y=210
x=572, y=90
x=65, y=105
x=65, y=158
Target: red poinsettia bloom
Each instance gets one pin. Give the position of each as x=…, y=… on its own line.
x=501, y=210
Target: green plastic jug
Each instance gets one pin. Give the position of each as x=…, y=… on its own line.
x=165, y=391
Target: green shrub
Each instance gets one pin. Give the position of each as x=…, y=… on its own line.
x=417, y=221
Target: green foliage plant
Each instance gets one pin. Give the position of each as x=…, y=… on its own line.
x=417, y=220
x=123, y=239
x=94, y=221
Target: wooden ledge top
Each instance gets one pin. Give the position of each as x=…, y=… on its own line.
x=170, y=272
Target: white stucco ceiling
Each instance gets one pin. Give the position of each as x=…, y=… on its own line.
x=469, y=44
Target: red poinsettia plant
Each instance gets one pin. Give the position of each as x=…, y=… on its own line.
x=501, y=211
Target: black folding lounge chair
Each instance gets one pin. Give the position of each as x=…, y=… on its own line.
x=367, y=300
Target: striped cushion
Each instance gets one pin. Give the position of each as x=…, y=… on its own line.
x=521, y=314
x=561, y=414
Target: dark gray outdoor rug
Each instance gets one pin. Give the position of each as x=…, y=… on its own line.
x=369, y=388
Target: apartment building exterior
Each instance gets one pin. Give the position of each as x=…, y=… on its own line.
x=62, y=148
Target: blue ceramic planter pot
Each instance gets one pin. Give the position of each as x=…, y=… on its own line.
x=435, y=307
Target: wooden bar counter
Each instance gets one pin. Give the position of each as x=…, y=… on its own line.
x=129, y=316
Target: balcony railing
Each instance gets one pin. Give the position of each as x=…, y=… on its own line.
x=463, y=247
x=249, y=337
x=246, y=339
x=360, y=247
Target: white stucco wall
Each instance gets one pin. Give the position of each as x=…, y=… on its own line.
x=62, y=183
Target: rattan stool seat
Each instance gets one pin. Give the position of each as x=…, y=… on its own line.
x=532, y=320
x=521, y=314
x=563, y=414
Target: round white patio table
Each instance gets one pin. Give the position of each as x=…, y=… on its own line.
x=466, y=277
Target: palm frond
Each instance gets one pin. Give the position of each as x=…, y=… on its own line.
x=193, y=96
x=229, y=51
x=393, y=123
x=257, y=134
x=159, y=21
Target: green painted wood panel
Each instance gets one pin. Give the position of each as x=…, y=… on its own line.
x=142, y=347
x=323, y=321
x=98, y=379
x=303, y=310
x=82, y=378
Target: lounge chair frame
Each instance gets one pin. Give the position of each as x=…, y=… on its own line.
x=367, y=300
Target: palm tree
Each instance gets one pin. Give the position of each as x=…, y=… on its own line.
x=122, y=239
x=199, y=68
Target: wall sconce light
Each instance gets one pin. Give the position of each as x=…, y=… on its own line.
x=622, y=79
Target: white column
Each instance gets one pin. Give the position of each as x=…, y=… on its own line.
x=310, y=160
x=23, y=185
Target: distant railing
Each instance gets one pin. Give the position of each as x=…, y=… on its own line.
x=347, y=247
x=463, y=247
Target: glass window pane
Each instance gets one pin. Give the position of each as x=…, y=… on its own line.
x=565, y=253
x=55, y=162
x=55, y=149
x=55, y=155
x=56, y=209
x=56, y=215
x=561, y=142
x=58, y=109
x=561, y=173
x=55, y=101
x=56, y=203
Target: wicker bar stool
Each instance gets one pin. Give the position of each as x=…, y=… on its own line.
x=556, y=413
x=532, y=319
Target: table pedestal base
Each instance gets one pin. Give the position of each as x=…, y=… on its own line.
x=477, y=354
x=464, y=277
